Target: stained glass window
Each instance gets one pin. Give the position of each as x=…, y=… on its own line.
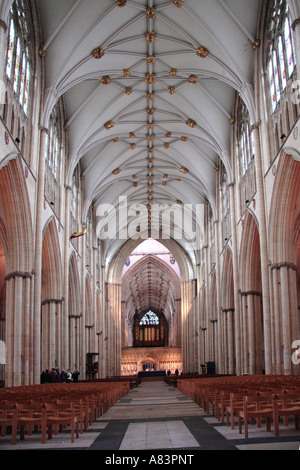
x=74, y=197
x=150, y=319
x=52, y=149
x=18, y=60
x=246, y=139
x=281, y=53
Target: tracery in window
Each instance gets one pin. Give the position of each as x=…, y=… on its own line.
x=52, y=150
x=281, y=58
x=74, y=207
x=53, y=156
x=74, y=197
x=245, y=139
x=18, y=58
x=149, y=318
x=150, y=331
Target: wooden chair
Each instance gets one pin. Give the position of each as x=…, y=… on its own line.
x=28, y=415
x=255, y=407
x=8, y=418
x=61, y=415
x=236, y=403
x=285, y=405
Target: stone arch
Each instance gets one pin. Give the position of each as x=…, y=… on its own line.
x=51, y=308
x=74, y=311
x=167, y=271
x=149, y=360
x=251, y=314
x=285, y=211
x=51, y=263
x=184, y=261
x=89, y=319
x=114, y=308
x=284, y=238
x=16, y=236
x=227, y=316
x=15, y=212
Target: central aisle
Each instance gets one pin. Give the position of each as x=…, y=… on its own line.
x=156, y=416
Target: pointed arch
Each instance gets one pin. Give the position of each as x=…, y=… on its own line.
x=51, y=263
x=74, y=287
x=15, y=213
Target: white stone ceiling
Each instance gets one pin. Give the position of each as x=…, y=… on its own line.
x=148, y=87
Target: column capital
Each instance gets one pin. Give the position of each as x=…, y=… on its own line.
x=256, y=125
x=3, y=25
x=295, y=24
x=43, y=129
x=250, y=292
x=285, y=264
x=52, y=301
x=24, y=275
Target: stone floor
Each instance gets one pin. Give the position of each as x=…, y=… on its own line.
x=157, y=417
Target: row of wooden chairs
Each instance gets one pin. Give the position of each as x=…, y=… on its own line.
x=247, y=398
x=55, y=407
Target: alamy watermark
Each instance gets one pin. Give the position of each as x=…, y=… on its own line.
x=296, y=353
x=158, y=221
x=295, y=98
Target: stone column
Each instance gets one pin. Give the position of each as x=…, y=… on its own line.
x=123, y=324
x=276, y=322
x=26, y=328
x=17, y=325
x=252, y=335
x=218, y=358
x=286, y=321
x=178, y=323
x=114, y=331
x=82, y=320
x=65, y=309
x=230, y=316
x=262, y=221
x=186, y=307
x=243, y=333
x=235, y=266
x=38, y=259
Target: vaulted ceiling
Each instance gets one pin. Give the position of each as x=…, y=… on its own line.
x=150, y=284
x=148, y=88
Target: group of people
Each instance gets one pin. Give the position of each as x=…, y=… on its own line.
x=54, y=375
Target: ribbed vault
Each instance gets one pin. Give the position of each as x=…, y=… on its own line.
x=150, y=285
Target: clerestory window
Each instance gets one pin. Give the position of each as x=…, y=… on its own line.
x=18, y=58
x=281, y=58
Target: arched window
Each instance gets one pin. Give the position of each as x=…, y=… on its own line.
x=245, y=139
x=18, y=58
x=52, y=151
x=54, y=158
x=75, y=206
x=150, y=330
x=74, y=197
x=149, y=318
x=281, y=58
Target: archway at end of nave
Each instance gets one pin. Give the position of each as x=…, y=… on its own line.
x=151, y=310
